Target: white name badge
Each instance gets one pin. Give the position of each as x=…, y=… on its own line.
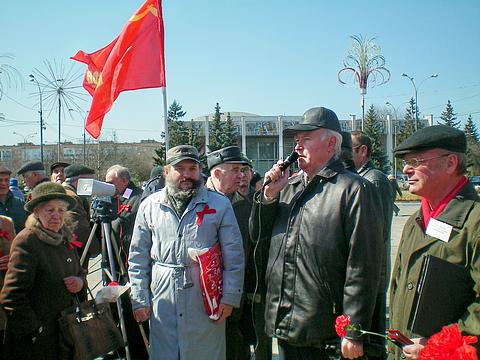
x=127, y=193
x=439, y=230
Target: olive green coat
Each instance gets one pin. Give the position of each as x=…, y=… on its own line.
x=463, y=213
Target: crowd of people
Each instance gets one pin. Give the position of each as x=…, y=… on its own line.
x=311, y=244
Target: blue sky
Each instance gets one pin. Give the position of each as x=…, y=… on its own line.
x=268, y=57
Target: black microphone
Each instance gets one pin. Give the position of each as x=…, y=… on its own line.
x=289, y=160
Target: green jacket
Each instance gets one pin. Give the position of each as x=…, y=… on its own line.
x=463, y=213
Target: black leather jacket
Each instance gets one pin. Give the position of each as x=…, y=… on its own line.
x=325, y=255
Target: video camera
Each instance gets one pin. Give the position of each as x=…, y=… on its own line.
x=101, y=193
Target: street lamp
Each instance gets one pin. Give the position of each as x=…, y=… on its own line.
x=32, y=78
x=395, y=123
x=416, y=93
x=84, y=115
x=25, y=137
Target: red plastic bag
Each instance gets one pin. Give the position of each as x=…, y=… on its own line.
x=211, y=277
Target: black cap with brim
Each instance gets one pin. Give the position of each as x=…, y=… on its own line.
x=31, y=166
x=75, y=170
x=181, y=153
x=48, y=191
x=226, y=155
x=433, y=137
x=314, y=119
x=58, y=164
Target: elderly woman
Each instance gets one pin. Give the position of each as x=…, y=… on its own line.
x=43, y=275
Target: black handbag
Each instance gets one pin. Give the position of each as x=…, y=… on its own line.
x=89, y=331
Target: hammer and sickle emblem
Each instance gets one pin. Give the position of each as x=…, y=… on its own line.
x=150, y=8
x=94, y=77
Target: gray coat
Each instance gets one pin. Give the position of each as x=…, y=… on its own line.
x=161, y=271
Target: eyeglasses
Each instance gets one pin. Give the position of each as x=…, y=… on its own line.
x=417, y=162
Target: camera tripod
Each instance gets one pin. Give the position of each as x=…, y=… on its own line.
x=109, y=253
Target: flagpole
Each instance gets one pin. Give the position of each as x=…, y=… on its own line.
x=165, y=118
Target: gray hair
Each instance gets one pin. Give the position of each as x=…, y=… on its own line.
x=119, y=171
x=338, y=145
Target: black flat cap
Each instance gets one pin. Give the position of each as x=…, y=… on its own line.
x=48, y=191
x=180, y=153
x=77, y=170
x=433, y=137
x=31, y=166
x=346, y=140
x=227, y=155
x=58, y=164
x=316, y=118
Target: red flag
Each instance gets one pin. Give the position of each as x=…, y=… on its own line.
x=133, y=60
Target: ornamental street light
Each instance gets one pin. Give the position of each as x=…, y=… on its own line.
x=415, y=87
x=32, y=78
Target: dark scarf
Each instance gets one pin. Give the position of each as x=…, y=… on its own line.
x=64, y=235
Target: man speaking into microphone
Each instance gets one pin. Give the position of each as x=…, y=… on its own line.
x=324, y=252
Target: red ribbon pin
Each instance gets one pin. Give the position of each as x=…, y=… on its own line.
x=200, y=214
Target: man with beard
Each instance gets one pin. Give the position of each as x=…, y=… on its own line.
x=165, y=280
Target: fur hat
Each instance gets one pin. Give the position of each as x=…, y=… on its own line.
x=48, y=191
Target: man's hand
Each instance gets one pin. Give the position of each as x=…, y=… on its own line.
x=73, y=284
x=278, y=181
x=142, y=314
x=225, y=311
x=412, y=351
x=351, y=349
x=4, y=262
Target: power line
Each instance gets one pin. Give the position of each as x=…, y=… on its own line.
x=17, y=102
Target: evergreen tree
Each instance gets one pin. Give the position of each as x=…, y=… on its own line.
x=373, y=128
x=471, y=130
x=473, y=147
x=448, y=116
x=229, y=135
x=178, y=132
x=215, y=130
x=408, y=126
x=175, y=111
x=160, y=153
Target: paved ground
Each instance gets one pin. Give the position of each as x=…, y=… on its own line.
x=406, y=209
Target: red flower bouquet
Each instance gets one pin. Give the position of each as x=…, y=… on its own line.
x=449, y=344
x=342, y=325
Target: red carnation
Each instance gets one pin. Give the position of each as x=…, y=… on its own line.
x=449, y=344
x=342, y=322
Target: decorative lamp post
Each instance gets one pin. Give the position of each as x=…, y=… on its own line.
x=367, y=67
